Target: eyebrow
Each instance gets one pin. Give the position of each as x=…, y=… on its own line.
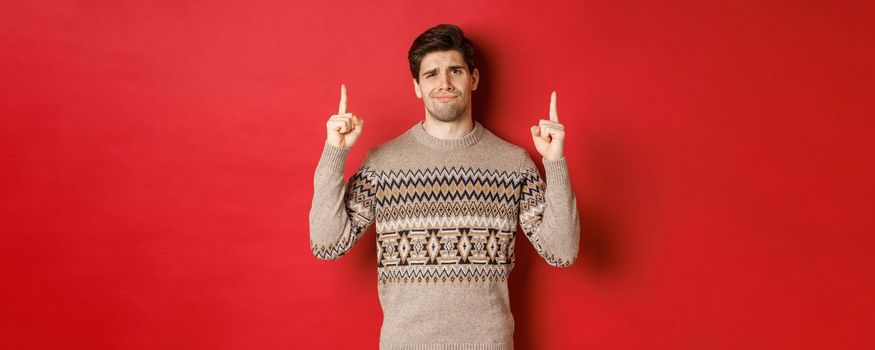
x=455, y=66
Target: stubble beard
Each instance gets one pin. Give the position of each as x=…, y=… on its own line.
x=446, y=112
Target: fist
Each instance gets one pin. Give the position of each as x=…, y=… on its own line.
x=343, y=128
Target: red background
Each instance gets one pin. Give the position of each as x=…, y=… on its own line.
x=158, y=159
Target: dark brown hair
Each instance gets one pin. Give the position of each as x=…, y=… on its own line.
x=441, y=37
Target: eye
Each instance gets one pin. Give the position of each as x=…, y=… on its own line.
x=457, y=70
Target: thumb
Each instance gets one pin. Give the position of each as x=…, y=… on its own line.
x=536, y=131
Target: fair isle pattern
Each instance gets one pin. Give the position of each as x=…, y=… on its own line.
x=446, y=224
x=360, y=202
x=445, y=246
x=463, y=254
x=532, y=205
x=429, y=219
x=447, y=198
x=455, y=223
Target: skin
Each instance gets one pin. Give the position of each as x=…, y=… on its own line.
x=444, y=73
x=343, y=128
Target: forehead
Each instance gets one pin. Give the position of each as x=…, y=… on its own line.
x=442, y=58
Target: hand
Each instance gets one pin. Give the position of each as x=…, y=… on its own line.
x=549, y=134
x=343, y=128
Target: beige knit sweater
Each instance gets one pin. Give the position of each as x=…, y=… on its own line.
x=446, y=214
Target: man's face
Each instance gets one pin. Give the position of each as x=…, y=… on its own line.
x=445, y=85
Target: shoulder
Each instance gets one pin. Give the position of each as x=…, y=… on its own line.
x=498, y=145
x=388, y=150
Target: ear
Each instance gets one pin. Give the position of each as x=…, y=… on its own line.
x=476, y=77
x=416, y=89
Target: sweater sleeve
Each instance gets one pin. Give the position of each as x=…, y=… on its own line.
x=548, y=213
x=341, y=212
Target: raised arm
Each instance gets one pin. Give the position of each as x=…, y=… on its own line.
x=548, y=212
x=341, y=211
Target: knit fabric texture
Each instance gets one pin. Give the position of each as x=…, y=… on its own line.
x=446, y=214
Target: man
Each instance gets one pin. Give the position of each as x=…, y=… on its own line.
x=446, y=196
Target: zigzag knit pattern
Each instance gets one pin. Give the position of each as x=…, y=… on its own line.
x=444, y=224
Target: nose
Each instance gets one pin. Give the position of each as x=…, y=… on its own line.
x=445, y=82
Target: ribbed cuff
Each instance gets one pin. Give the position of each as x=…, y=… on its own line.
x=557, y=171
x=449, y=346
x=333, y=158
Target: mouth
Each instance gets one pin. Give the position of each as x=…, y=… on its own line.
x=444, y=98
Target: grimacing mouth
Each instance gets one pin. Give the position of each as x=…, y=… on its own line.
x=442, y=96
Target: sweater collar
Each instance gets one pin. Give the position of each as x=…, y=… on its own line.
x=469, y=139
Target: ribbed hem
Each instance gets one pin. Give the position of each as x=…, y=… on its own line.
x=557, y=170
x=333, y=158
x=419, y=133
x=448, y=346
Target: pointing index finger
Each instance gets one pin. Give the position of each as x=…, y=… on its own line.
x=554, y=116
x=342, y=108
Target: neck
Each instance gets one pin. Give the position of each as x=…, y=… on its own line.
x=467, y=140
x=448, y=130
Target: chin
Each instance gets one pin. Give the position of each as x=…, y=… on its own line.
x=444, y=118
